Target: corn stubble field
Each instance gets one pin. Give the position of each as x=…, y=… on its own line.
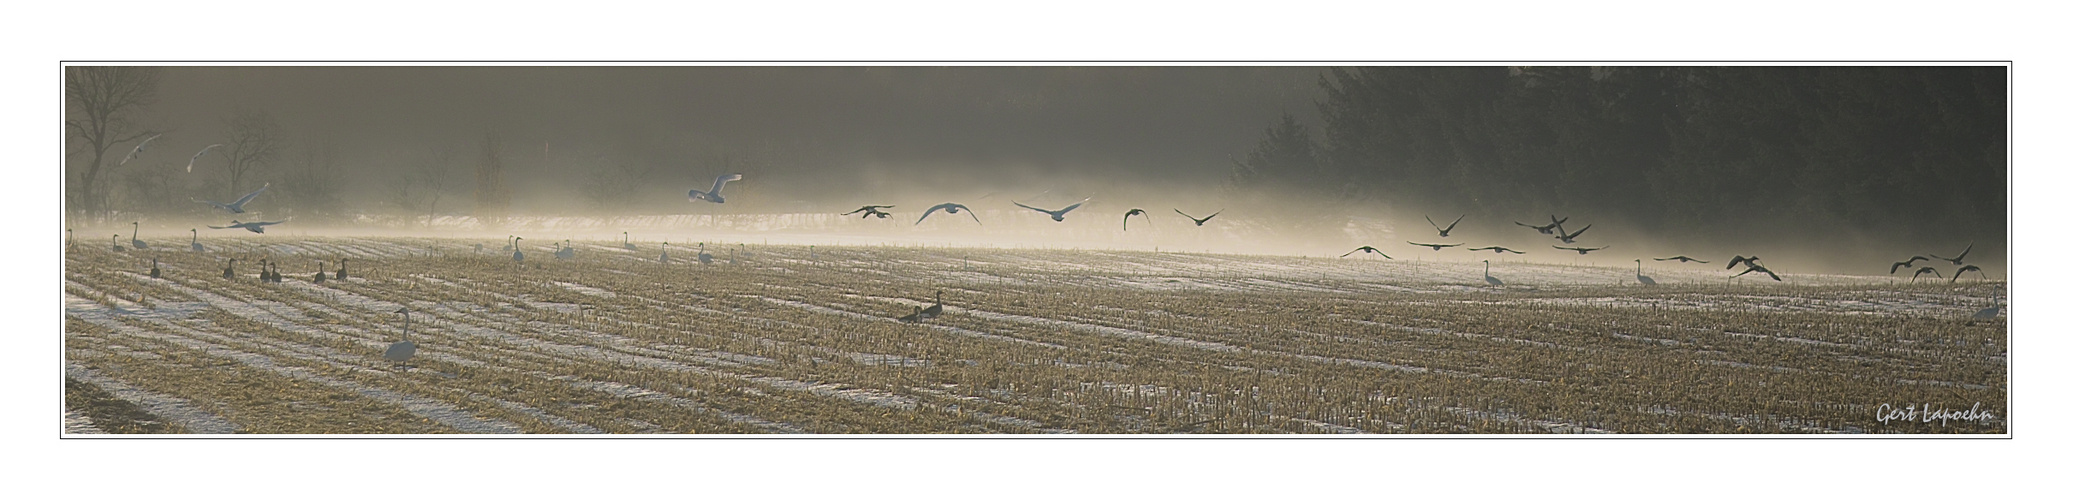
x=791, y=340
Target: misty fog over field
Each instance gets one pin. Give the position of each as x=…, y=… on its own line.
x=1819, y=169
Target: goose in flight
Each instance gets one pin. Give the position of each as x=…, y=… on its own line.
x=1960, y=259
x=1684, y=259
x=139, y=149
x=237, y=207
x=1968, y=267
x=1571, y=237
x=1753, y=268
x=1925, y=270
x=1198, y=222
x=951, y=208
x=1056, y=215
x=714, y=195
x=1498, y=249
x=870, y=210
x=197, y=156
x=1371, y=250
x=1547, y=229
x=257, y=227
x=1738, y=260
x=1435, y=246
x=1137, y=212
x=1449, y=228
x=1910, y=262
x=1581, y=250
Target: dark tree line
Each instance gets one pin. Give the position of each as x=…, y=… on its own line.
x=1906, y=153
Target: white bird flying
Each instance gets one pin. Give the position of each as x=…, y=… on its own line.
x=237, y=207
x=257, y=227
x=948, y=207
x=197, y=156
x=139, y=149
x=1056, y=215
x=714, y=195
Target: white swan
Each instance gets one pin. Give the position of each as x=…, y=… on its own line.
x=714, y=195
x=237, y=207
x=197, y=156
x=139, y=149
x=1056, y=215
x=257, y=227
x=952, y=208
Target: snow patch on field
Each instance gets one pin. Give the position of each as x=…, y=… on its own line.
x=173, y=410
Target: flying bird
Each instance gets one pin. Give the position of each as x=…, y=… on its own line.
x=1450, y=227
x=197, y=156
x=1137, y=212
x=714, y=195
x=1960, y=259
x=1435, y=246
x=1198, y=222
x=1498, y=249
x=870, y=210
x=1753, y=268
x=239, y=206
x=1371, y=250
x=1925, y=269
x=1583, y=251
x=1571, y=237
x=1056, y=215
x=257, y=227
x=951, y=208
x=139, y=149
x=1686, y=260
x=1961, y=272
x=1910, y=262
x=1738, y=260
x=1547, y=229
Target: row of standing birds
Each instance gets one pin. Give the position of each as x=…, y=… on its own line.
x=270, y=271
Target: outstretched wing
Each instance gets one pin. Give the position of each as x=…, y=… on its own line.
x=1580, y=232
x=139, y=149
x=1185, y=214
x=1453, y=245
x=721, y=182
x=254, y=194
x=1428, y=220
x=1968, y=251
x=1736, y=261
x=265, y=223
x=1212, y=216
x=858, y=210
x=1062, y=211
x=1019, y=204
x=1457, y=221
x=217, y=205
x=973, y=213
x=925, y=215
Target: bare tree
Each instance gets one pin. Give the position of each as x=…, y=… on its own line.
x=420, y=188
x=99, y=104
x=255, y=142
x=313, y=182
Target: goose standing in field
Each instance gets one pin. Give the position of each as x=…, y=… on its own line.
x=263, y=276
x=1198, y=222
x=935, y=310
x=628, y=240
x=1637, y=274
x=1487, y=278
x=273, y=273
x=1137, y=212
x=1449, y=228
x=1989, y=312
x=341, y=274
x=1910, y=262
x=714, y=195
x=704, y=258
x=1683, y=259
x=1968, y=267
x=952, y=208
x=1960, y=259
x=139, y=149
x=237, y=207
x=1368, y=249
x=1919, y=271
x=228, y=271
x=1570, y=238
x=1753, y=268
x=137, y=242
x=517, y=254
x=1498, y=249
x=116, y=240
x=319, y=278
x=665, y=253
x=257, y=227
x=870, y=210
x=564, y=252
x=401, y=352
x=1435, y=246
x=194, y=240
x=1581, y=250
x=154, y=267
x=197, y=156
x=1056, y=215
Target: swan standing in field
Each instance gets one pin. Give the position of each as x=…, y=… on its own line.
x=237, y=207
x=257, y=227
x=628, y=240
x=714, y=195
x=510, y=243
x=952, y=208
x=1198, y=222
x=1637, y=274
x=197, y=156
x=194, y=240
x=564, y=252
x=1449, y=228
x=517, y=255
x=1487, y=278
x=116, y=240
x=1059, y=214
x=401, y=352
x=137, y=242
x=704, y=258
x=228, y=271
x=139, y=149
x=1989, y=312
x=1368, y=249
x=665, y=253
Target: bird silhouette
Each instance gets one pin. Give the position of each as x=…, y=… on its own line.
x=1910, y=262
x=1968, y=267
x=1487, y=278
x=400, y=352
x=1198, y=222
x=1571, y=237
x=341, y=274
x=935, y=310
x=517, y=254
x=1583, y=251
x=1449, y=228
x=1435, y=246
x=197, y=156
x=1498, y=249
x=257, y=227
x=665, y=253
x=704, y=258
x=1753, y=268
x=714, y=195
x=237, y=207
x=1137, y=212
x=1738, y=260
x=1684, y=259
x=137, y=242
x=564, y=252
x=194, y=241
x=114, y=239
x=1369, y=249
x=138, y=149
x=228, y=268
x=1925, y=269
x=952, y=208
x=627, y=239
x=1547, y=229
x=912, y=318
x=1056, y=215
x=1960, y=259
x=870, y=210
x=154, y=267
x=1637, y=274
x=319, y=278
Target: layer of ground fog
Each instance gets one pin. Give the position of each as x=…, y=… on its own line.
x=803, y=340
